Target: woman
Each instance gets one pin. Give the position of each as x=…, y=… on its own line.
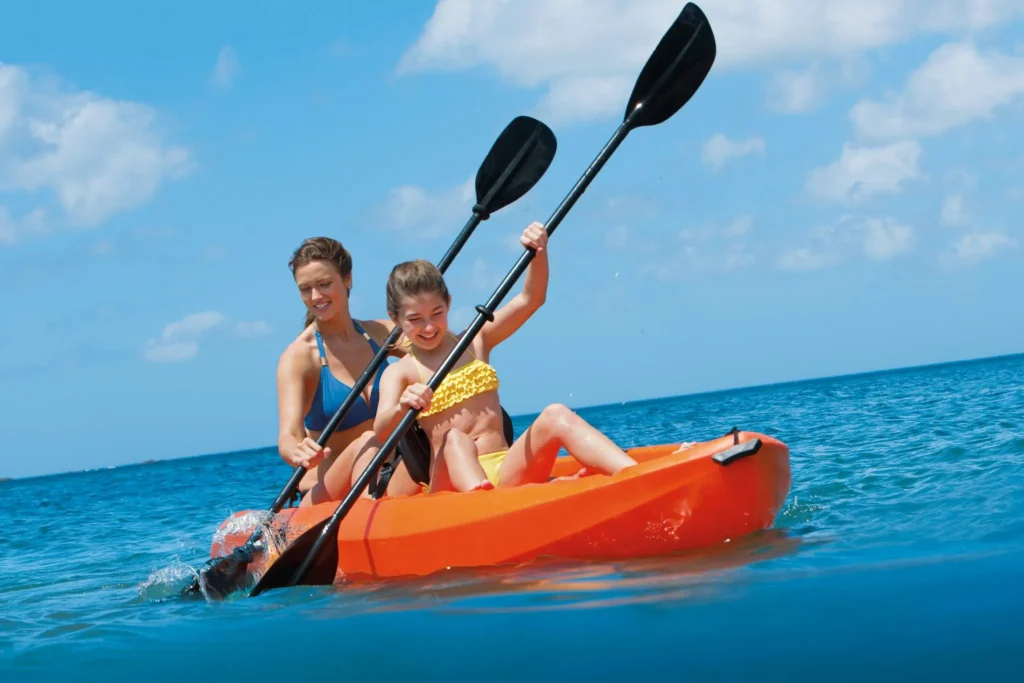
x=462, y=418
x=318, y=370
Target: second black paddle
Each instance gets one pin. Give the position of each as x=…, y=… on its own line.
x=673, y=73
x=516, y=161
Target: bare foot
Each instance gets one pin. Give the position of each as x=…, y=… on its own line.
x=583, y=472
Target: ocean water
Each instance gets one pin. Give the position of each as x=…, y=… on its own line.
x=899, y=555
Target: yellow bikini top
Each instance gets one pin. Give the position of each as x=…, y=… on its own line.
x=461, y=384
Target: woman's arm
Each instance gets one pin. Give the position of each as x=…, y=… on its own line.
x=294, y=447
x=518, y=310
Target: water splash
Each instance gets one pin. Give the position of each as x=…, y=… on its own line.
x=167, y=582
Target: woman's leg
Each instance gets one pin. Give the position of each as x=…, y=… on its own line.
x=402, y=483
x=338, y=480
x=532, y=456
x=456, y=466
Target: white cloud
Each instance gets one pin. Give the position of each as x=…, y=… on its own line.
x=707, y=249
x=878, y=239
x=415, y=211
x=864, y=172
x=13, y=87
x=799, y=91
x=975, y=247
x=886, y=239
x=169, y=352
x=252, y=329
x=594, y=49
x=179, y=340
x=805, y=258
x=98, y=156
x=953, y=213
x=955, y=86
x=719, y=149
x=226, y=69
x=821, y=254
x=737, y=227
x=12, y=229
x=620, y=238
x=482, y=274
x=585, y=97
x=192, y=325
x=972, y=246
x=793, y=91
x=7, y=231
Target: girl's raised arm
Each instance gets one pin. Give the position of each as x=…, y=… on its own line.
x=510, y=317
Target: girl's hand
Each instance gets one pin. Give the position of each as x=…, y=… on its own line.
x=308, y=454
x=534, y=237
x=416, y=397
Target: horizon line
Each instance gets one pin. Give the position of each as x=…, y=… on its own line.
x=708, y=392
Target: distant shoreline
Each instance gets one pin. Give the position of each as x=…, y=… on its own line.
x=755, y=387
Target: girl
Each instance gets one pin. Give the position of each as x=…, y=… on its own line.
x=463, y=418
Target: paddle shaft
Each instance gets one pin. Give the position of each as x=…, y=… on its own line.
x=370, y=371
x=481, y=213
x=484, y=313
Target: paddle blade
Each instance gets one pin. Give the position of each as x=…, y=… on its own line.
x=517, y=160
x=284, y=567
x=675, y=70
x=225, y=575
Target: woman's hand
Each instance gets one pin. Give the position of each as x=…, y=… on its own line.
x=416, y=397
x=534, y=237
x=308, y=454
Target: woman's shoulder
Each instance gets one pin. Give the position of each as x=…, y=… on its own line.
x=379, y=330
x=298, y=356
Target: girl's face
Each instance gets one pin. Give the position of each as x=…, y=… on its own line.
x=323, y=289
x=424, y=320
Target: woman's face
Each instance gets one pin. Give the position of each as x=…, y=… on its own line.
x=322, y=288
x=424, y=320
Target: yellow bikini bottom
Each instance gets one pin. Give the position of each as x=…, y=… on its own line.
x=490, y=462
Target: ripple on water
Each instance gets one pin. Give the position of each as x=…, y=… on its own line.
x=887, y=468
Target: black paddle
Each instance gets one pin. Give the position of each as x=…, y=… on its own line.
x=517, y=160
x=673, y=73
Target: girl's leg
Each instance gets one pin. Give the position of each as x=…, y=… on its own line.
x=456, y=466
x=347, y=466
x=532, y=456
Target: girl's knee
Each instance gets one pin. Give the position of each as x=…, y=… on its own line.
x=556, y=414
x=456, y=437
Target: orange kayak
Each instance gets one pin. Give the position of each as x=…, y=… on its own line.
x=676, y=498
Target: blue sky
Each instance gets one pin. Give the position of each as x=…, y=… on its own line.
x=843, y=194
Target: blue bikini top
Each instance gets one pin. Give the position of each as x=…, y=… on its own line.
x=331, y=392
